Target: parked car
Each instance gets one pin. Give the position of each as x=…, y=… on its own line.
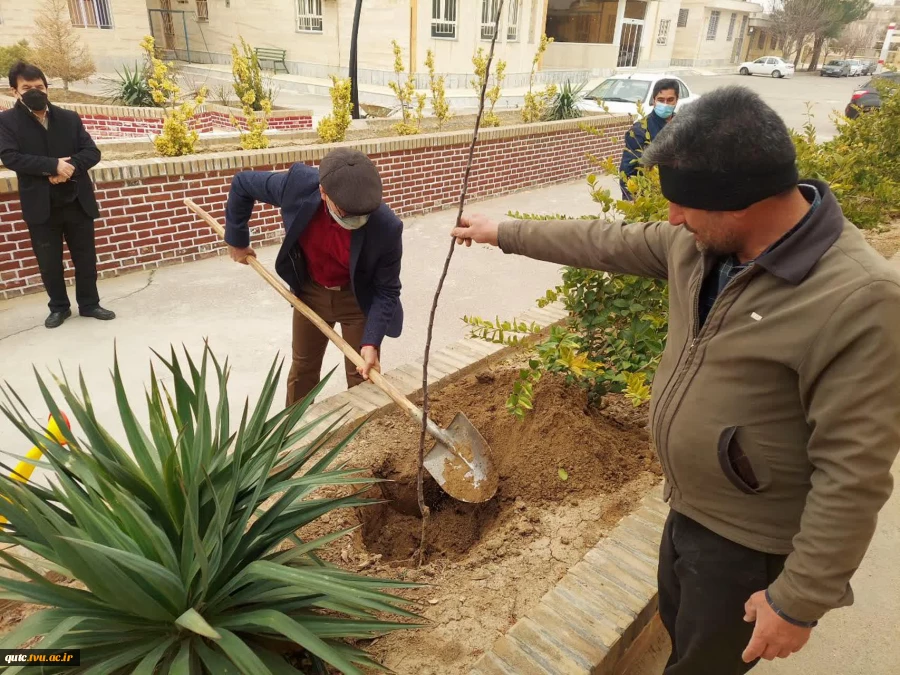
x=868, y=97
x=773, y=66
x=869, y=67
x=836, y=68
x=856, y=67
x=623, y=93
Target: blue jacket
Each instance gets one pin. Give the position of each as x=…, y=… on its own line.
x=636, y=139
x=375, y=249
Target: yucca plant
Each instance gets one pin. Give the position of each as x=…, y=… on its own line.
x=131, y=88
x=564, y=104
x=183, y=571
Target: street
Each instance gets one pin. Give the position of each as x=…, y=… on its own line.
x=789, y=96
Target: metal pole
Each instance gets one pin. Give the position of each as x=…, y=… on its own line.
x=354, y=39
x=187, y=40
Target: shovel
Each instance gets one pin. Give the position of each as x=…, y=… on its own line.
x=460, y=460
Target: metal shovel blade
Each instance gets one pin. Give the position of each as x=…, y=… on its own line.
x=468, y=474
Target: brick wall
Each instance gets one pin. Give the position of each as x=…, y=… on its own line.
x=108, y=121
x=144, y=223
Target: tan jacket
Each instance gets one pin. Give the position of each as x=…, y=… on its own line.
x=776, y=422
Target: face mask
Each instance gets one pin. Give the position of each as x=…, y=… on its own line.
x=664, y=110
x=347, y=222
x=35, y=99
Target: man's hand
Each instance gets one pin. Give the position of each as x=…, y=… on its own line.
x=478, y=228
x=241, y=255
x=63, y=168
x=773, y=637
x=56, y=180
x=370, y=356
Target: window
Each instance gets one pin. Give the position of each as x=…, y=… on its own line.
x=443, y=19
x=202, y=10
x=761, y=43
x=683, y=17
x=663, y=36
x=730, y=35
x=90, y=13
x=309, y=16
x=584, y=22
x=683, y=91
x=713, y=27
x=488, y=12
x=512, y=21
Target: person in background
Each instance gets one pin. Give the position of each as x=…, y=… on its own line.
x=665, y=98
x=51, y=153
x=776, y=405
x=341, y=256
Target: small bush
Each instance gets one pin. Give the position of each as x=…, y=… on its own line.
x=439, y=104
x=131, y=88
x=537, y=103
x=563, y=104
x=618, y=324
x=333, y=128
x=21, y=51
x=412, y=105
x=177, y=137
x=248, y=86
x=492, y=95
x=861, y=163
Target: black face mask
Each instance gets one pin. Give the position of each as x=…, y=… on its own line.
x=35, y=99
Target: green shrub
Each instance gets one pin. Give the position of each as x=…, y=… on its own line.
x=563, y=103
x=131, y=88
x=21, y=51
x=861, y=163
x=177, y=537
x=617, y=326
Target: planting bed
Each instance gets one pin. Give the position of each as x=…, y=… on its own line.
x=567, y=475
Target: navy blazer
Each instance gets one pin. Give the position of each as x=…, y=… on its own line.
x=375, y=249
x=636, y=139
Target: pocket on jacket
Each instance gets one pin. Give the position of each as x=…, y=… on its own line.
x=747, y=470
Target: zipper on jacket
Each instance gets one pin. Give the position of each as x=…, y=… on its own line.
x=697, y=335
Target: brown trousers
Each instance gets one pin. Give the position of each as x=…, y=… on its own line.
x=309, y=344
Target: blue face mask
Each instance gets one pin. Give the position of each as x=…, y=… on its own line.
x=664, y=110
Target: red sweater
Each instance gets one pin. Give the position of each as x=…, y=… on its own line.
x=326, y=248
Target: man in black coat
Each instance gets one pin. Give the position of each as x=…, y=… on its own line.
x=51, y=153
x=341, y=256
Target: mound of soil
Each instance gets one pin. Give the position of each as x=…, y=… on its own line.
x=487, y=564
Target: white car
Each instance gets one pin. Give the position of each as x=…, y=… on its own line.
x=856, y=67
x=773, y=66
x=623, y=94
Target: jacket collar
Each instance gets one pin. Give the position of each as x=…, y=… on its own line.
x=794, y=256
x=28, y=112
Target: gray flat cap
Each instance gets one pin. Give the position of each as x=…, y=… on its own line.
x=351, y=181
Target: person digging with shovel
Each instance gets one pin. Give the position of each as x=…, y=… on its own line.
x=776, y=406
x=341, y=255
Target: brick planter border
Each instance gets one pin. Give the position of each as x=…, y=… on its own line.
x=144, y=223
x=114, y=121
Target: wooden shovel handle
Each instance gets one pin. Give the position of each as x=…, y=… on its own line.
x=376, y=377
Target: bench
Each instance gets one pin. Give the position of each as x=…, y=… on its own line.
x=276, y=56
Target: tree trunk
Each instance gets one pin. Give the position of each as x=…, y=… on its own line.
x=799, y=52
x=354, y=65
x=817, y=52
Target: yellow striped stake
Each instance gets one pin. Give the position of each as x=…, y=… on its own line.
x=25, y=469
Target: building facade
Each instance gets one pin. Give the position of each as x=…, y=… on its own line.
x=712, y=33
x=591, y=37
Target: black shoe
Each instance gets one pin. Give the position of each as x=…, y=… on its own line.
x=98, y=313
x=56, y=319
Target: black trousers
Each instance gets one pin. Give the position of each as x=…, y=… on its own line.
x=71, y=223
x=704, y=581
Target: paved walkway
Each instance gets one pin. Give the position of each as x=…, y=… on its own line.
x=247, y=321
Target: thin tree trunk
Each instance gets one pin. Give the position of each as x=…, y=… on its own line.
x=817, y=53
